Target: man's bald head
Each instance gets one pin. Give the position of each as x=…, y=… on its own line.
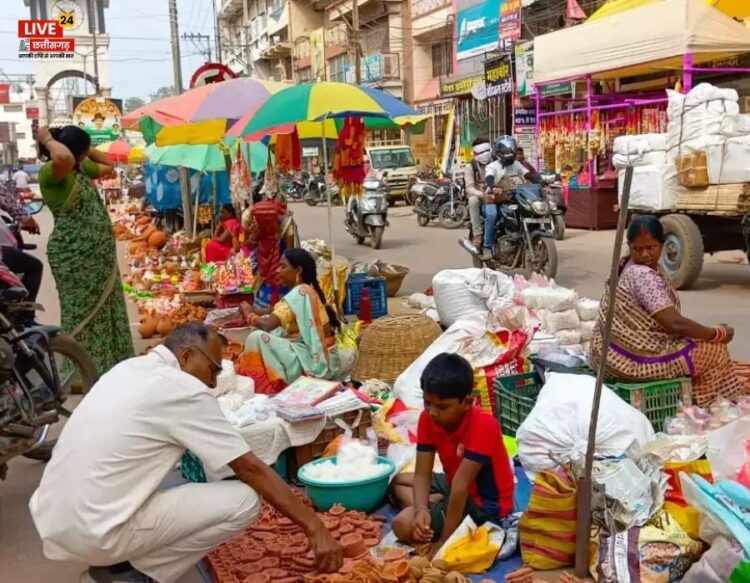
x=198, y=348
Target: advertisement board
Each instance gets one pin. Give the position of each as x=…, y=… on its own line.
x=317, y=54
x=99, y=116
x=498, y=75
x=477, y=29
x=510, y=21
x=524, y=69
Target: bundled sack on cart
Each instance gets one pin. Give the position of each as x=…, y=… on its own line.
x=495, y=343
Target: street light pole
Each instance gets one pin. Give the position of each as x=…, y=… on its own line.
x=357, y=48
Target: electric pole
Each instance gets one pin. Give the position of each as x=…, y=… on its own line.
x=174, y=29
x=357, y=47
x=92, y=30
x=217, y=32
x=196, y=39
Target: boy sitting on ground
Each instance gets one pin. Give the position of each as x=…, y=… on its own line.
x=478, y=479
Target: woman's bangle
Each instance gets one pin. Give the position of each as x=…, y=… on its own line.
x=252, y=320
x=720, y=335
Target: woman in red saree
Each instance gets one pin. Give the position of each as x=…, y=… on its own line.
x=226, y=236
x=651, y=339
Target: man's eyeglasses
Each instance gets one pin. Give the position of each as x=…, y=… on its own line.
x=216, y=367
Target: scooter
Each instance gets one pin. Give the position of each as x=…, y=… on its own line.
x=367, y=216
x=316, y=191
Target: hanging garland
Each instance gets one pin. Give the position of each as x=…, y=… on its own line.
x=349, y=163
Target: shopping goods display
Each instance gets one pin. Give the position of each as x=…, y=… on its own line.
x=460, y=292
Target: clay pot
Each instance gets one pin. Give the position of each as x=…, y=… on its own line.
x=136, y=245
x=171, y=267
x=395, y=554
x=147, y=328
x=144, y=220
x=157, y=239
x=164, y=327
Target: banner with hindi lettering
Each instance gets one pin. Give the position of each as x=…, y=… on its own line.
x=510, y=21
x=498, y=76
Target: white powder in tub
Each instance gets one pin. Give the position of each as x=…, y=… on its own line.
x=587, y=309
x=565, y=320
x=354, y=461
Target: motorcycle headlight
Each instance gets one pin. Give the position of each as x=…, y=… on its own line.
x=552, y=205
x=369, y=205
x=371, y=184
x=540, y=207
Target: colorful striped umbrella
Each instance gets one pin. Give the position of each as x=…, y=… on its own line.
x=116, y=151
x=207, y=157
x=320, y=101
x=201, y=115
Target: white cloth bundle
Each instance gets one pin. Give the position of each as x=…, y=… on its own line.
x=653, y=187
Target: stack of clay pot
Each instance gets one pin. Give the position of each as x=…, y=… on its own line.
x=151, y=327
x=526, y=575
x=148, y=236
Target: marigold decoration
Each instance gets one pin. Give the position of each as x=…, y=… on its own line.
x=349, y=164
x=240, y=184
x=288, y=150
x=267, y=215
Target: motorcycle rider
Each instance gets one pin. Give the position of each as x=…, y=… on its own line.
x=501, y=176
x=474, y=178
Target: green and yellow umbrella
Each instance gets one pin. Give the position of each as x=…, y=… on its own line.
x=207, y=157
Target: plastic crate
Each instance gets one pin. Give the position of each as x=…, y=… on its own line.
x=657, y=400
x=378, y=294
x=515, y=397
x=224, y=301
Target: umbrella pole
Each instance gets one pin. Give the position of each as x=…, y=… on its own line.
x=330, y=211
x=583, y=511
x=197, y=202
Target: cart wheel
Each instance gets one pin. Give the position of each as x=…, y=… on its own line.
x=682, y=256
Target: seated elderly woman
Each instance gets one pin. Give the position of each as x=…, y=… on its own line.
x=651, y=339
x=297, y=336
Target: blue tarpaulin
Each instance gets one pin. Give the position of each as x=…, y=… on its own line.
x=163, y=186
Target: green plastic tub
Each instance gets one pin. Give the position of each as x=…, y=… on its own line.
x=363, y=495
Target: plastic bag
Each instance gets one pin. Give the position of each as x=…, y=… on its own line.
x=678, y=448
x=725, y=452
x=460, y=292
x=568, y=337
x=472, y=548
x=564, y=320
x=722, y=563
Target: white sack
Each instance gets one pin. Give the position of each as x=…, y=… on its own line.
x=640, y=144
x=743, y=123
x=568, y=337
x=659, y=157
x=587, y=330
x=558, y=425
x=653, y=187
x=460, y=292
x=587, y=309
x=729, y=160
x=564, y=320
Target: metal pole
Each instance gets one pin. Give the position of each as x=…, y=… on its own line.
x=217, y=34
x=583, y=510
x=174, y=29
x=589, y=111
x=357, y=48
x=92, y=30
x=331, y=242
x=687, y=72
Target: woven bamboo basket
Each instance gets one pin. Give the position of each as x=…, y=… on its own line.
x=389, y=345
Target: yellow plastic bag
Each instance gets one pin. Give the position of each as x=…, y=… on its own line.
x=472, y=548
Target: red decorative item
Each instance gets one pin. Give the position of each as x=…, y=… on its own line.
x=288, y=152
x=349, y=163
x=267, y=215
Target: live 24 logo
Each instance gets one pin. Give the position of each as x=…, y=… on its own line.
x=43, y=39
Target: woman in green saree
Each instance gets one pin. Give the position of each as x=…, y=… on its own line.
x=297, y=336
x=82, y=250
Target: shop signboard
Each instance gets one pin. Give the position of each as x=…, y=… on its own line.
x=524, y=69
x=4, y=93
x=310, y=152
x=524, y=116
x=510, y=20
x=32, y=113
x=455, y=87
x=526, y=139
x=499, y=76
x=99, y=116
x=563, y=88
x=436, y=107
x=478, y=29
x=371, y=69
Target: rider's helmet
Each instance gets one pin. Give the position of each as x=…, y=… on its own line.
x=505, y=150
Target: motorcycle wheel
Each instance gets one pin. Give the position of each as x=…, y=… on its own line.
x=452, y=219
x=546, y=252
x=376, y=239
x=311, y=201
x=336, y=200
x=409, y=198
x=559, y=223
x=77, y=381
x=423, y=220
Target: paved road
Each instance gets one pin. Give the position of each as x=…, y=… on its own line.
x=722, y=295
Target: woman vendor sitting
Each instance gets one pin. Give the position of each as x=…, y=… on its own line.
x=651, y=339
x=226, y=235
x=297, y=337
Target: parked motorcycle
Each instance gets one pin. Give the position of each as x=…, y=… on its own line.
x=523, y=235
x=316, y=191
x=39, y=368
x=444, y=200
x=295, y=187
x=367, y=216
x=33, y=208
x=553, y=192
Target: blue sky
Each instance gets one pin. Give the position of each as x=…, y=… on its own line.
x=140, y=52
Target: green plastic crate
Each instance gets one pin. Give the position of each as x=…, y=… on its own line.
x=657, y=400
x=515, y=397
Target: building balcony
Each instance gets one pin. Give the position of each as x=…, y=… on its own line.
x=230, y=9
x=278, y=50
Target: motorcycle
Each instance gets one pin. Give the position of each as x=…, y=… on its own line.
x=316, y=191
x=40, y=366
x=444, y=200
x=367, y=216
x=553, y=192
x=294, y=187
x=33, y=208
x=523, y=235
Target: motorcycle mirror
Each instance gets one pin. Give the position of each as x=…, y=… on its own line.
x=34, y=207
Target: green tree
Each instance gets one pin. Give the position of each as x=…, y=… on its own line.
x=132, y=103
x=162, y=92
